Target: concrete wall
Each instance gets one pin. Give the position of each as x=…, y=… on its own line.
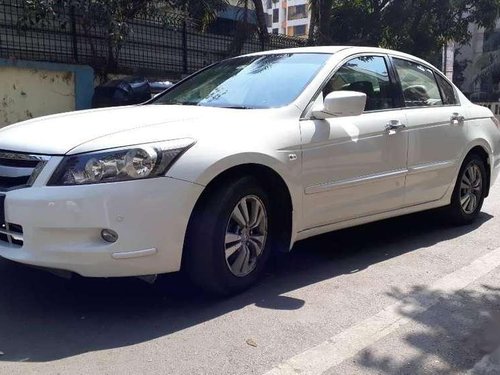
x=28, y=93
x=30, y=89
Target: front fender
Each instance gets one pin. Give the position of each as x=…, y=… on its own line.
x=202, y=172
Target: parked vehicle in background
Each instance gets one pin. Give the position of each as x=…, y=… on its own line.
x=127, y=91
x=240, y=160
x=157, y=87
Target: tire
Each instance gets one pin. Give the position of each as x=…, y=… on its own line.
x=214, y=264
x=463, y=210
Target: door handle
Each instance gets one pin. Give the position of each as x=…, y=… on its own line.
x=457, y=119
x=394, y=125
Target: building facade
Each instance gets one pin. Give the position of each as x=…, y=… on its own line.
x=288, y=17
x=469, y=59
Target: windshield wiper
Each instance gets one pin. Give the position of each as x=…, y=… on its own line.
x=237, y=107
x=199, y=104
x=230, y=106
x=188, y=103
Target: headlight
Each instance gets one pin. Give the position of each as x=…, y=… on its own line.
x=119, y=164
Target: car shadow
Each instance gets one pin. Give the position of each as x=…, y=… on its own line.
x=45, y=318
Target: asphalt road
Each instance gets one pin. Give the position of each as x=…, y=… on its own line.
x=404, y=296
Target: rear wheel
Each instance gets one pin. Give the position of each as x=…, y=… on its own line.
x=230, y=237
x=469, y=192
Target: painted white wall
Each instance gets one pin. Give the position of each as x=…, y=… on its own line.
x=28, y=93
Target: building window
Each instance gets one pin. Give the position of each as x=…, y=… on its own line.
x=269, y=20
x=269, y=4
x=276, y=15
x=297, y=12
x=275, y=31
x=299, y=30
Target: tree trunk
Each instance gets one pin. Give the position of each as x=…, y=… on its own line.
x=313, y=24
x=261, y=22
x=325, y=10
x=243, y=30
x=320, y=22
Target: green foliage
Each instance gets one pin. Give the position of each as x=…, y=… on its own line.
x=488, y=64
x=459, y=67
x=114, y=16
x=203, y=10
x=419, y=27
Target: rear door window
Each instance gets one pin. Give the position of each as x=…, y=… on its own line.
x=447, y=91
x=419, y=85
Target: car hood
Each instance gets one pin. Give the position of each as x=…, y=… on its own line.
x=62, y=133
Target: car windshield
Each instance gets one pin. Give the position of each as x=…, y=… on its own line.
x=265, y=81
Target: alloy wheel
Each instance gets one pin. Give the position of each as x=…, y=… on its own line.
x=471, y=188
x=246, y=235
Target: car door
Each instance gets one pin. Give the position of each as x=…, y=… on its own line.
x=436, y=127
x=355, y=166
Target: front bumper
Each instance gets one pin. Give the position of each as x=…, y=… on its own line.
x=62, y=226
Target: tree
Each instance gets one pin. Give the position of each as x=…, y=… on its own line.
x=245, y=29
x=321, y=11
x=261, y=21
x=115, y=17
x=419, y=27
x=459, y=67
x=488, y=64
x=204, y=10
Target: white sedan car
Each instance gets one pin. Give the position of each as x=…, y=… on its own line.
x=242, y=159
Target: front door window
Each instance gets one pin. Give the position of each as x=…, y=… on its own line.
x=366, y=74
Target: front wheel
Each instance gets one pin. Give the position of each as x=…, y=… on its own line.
x=469, y=192
x=230, y=237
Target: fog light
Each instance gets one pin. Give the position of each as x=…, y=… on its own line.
x=109, y=235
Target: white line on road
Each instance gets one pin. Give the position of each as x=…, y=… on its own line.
x=348, y=343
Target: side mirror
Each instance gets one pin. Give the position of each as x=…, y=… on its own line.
x=341, y=104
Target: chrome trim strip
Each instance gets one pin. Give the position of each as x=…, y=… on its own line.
x=14, y=172
x=14, y=235
x=353, y=181
x=36, y=172
x=428, y=167
x=429, y=125
x=22, y=157
x=10, y=172
x=134, y=254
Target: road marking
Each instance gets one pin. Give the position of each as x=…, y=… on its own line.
x=348, y=343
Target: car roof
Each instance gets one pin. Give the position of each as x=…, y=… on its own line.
x=335, y=49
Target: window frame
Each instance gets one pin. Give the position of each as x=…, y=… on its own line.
x=455, y=94
x=435, y=73
x=393, y=78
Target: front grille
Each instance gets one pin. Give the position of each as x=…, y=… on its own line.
x=12, y=234
x=19, y=169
